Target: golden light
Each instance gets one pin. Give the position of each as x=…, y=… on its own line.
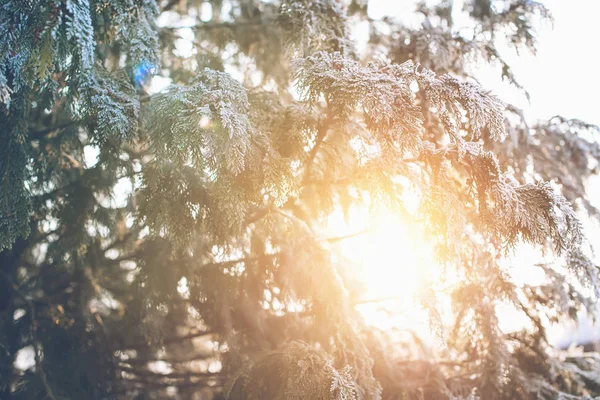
x=390, y=258
x=392, y=263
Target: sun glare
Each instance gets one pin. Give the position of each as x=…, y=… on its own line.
x=389, y=259
x=391, y=262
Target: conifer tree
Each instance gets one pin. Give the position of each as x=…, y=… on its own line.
x=186, y=258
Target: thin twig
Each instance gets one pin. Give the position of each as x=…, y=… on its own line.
x=349, y=236
x=294, y=218
x=321, y=135
x=171, y=340
x=173, y=360
x=378, y=300
x=216, y=25
x=158, y=375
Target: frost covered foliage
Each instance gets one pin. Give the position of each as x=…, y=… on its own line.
x=292, y=372
x=310, y=26
x=162, y=244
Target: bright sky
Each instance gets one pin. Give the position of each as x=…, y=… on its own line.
x=563, y=77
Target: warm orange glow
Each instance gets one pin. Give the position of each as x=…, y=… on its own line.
x=392, y=262
x=391, y=258
x=395, y=267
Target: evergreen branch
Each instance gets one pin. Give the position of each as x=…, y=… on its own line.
x=217, y=157
x=533, y=318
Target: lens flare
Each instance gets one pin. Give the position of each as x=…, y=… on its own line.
x=143, y=72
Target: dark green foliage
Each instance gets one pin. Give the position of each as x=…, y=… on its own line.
x=187, y=259
x=14, y=199
x=311, y=26
x=204, y=125
x=111, y=106
x=80, y=31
